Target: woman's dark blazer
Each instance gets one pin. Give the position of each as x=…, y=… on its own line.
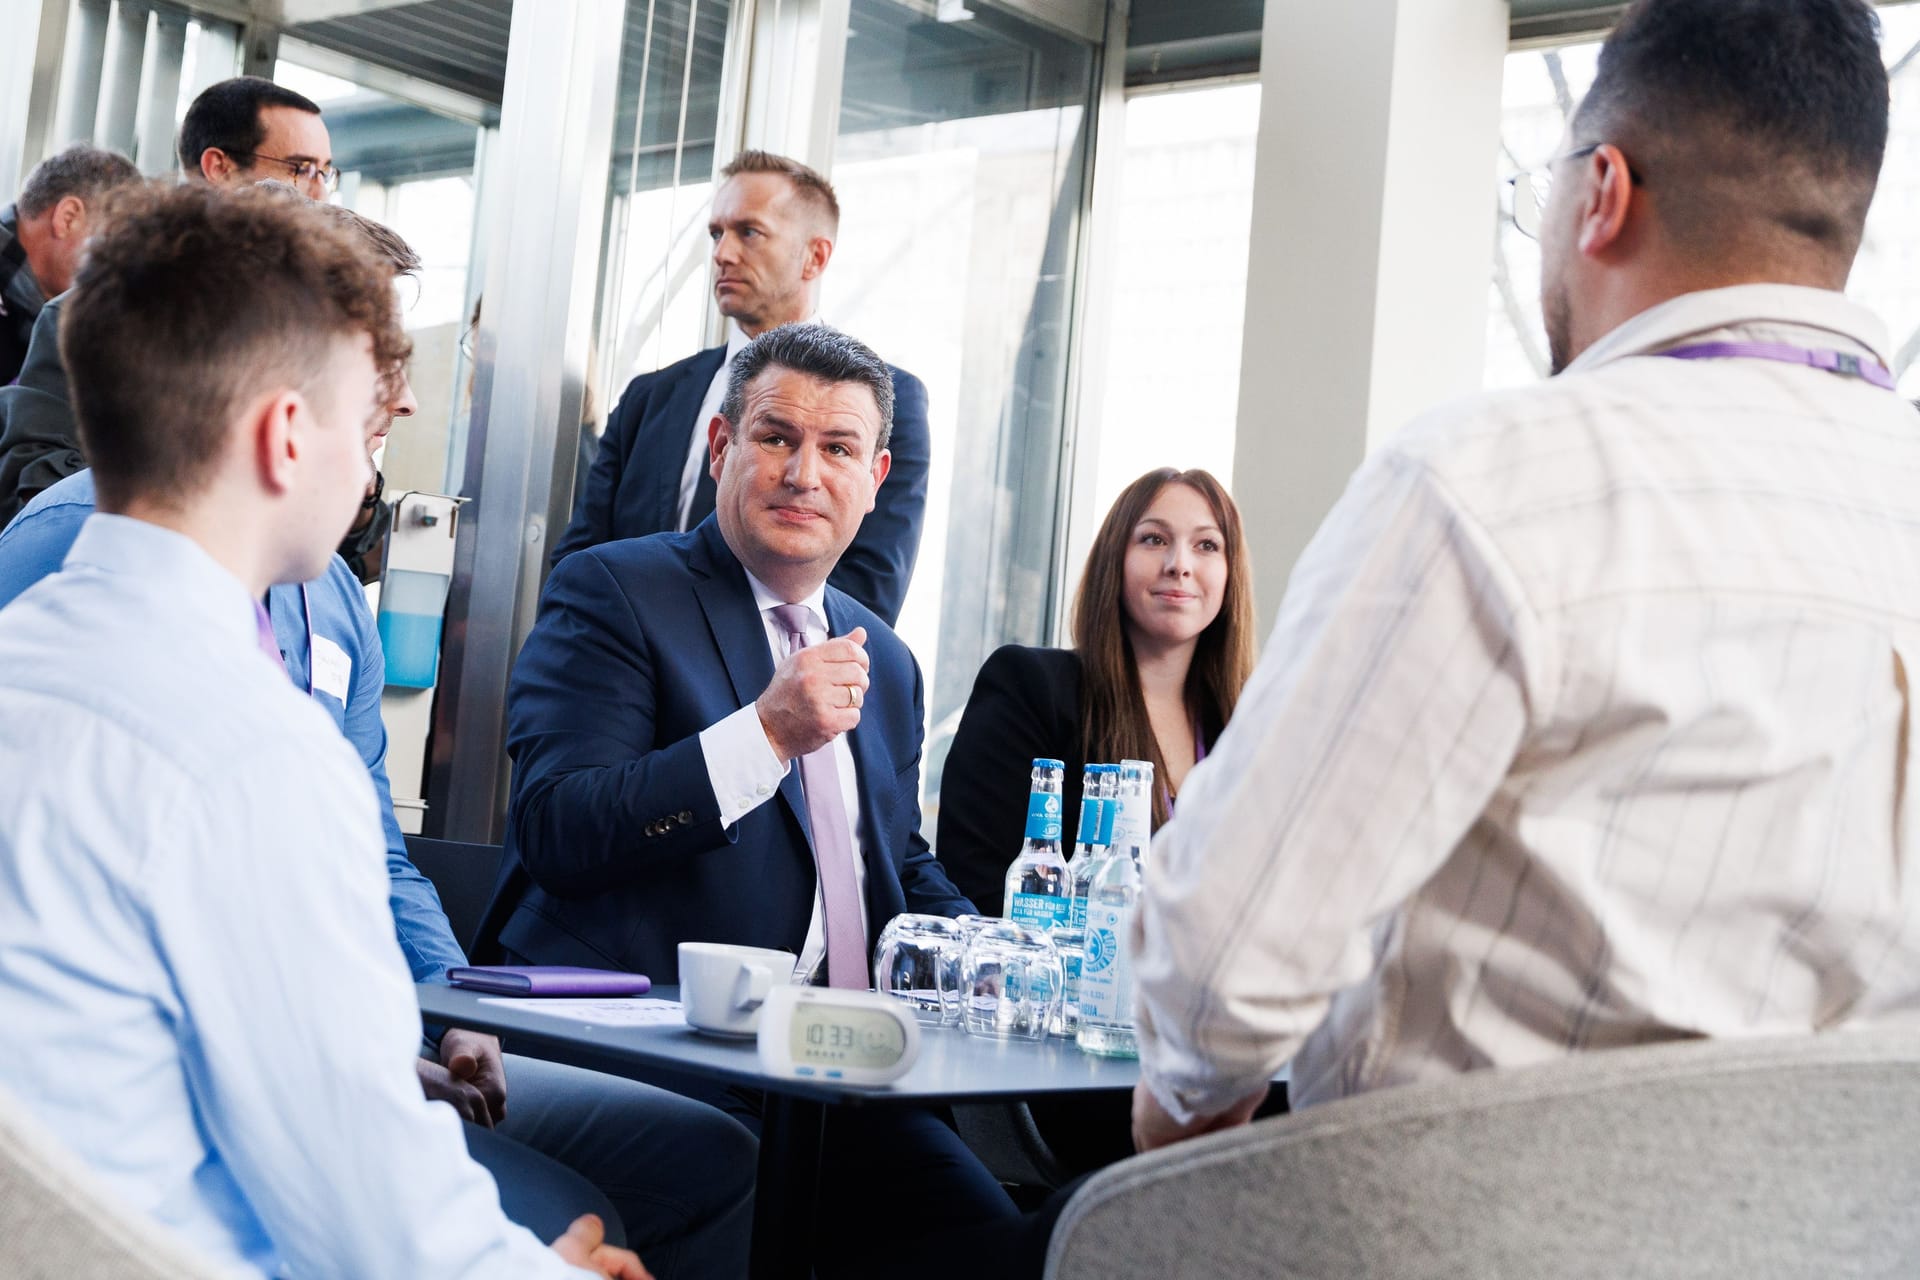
x=1025, y=704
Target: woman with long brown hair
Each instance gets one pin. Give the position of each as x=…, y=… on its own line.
x=1162, y=644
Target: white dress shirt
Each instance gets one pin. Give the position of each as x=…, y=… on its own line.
x=746, y=774
x=199, y=982
x=698, y=453
x=1585, y=722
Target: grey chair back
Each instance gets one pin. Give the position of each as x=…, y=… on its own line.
x=57, y=1223
x=463, y=876
x=1702, y=1159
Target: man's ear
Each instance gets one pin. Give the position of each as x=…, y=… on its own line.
x=216, y=165
x=819, y=253
x=1609, y=199
x=882, y=464
x=719, y=438
x=274, y=432
x=69, y=217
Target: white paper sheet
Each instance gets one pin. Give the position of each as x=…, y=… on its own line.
x=642, y=1011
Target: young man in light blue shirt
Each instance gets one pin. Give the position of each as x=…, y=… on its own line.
x=202, y=993
x=677, y=1176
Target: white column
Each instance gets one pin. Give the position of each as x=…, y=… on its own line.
x=1374, y=213
x=216, y=56
x=80, y=71
x=29, y=74
x=120, y=82
x=160, y=92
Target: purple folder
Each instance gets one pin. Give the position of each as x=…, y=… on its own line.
x=547, y=980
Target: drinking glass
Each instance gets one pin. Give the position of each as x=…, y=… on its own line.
x=917, y=960
x=1071, y=942
x=1010, y=981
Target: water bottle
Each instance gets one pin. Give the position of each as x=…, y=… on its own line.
x=1095, y=826
x=1096, y=831
x=1104, y=995
x=1037, y=881
x=1106, y=969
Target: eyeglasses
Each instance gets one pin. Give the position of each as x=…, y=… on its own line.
x=302, y=170
x=1531, y=189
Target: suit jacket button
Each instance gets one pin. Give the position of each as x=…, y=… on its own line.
x=686, y=816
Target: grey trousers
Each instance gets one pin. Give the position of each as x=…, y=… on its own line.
x=676, y=1174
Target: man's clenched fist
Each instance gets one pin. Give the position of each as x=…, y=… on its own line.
x=815, y=695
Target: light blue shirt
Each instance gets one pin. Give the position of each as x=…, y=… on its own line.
x=331, y=645
x=199, y=983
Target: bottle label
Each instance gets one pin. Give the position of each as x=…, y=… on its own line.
x=1106, y=974
x=1038, y=910
x=1089, y=821
x=1109, y=811
x=1077, y=912
x=1043, y=816
x=1132, y=825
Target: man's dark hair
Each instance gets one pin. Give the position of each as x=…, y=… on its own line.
x=195, y=299
x=82, y=171
x=1755, y=124
x=819, y=352
x=808, y=183
x=227, y=116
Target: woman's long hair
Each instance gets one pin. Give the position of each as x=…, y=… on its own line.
x=1114, y=724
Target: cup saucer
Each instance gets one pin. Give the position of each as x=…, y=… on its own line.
x=717, y=1034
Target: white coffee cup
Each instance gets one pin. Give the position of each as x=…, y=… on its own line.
x=722, y=986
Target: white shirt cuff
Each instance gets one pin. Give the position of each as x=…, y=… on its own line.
x=740, y=764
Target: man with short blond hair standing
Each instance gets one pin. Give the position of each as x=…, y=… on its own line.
x=774, y=225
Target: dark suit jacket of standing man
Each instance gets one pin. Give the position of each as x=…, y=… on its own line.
x=38, y=445
x=634, y=487
x=615, y=853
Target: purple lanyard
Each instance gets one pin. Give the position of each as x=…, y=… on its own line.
x=1199, y=754
x=1840, y=362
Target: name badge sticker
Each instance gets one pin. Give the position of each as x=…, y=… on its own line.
x=332, y=669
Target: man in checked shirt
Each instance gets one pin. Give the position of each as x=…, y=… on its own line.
x=1585, y=719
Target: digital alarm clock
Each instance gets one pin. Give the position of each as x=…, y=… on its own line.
x=847, y=1037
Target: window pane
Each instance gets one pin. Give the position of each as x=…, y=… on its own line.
x=655, y=300
x=413, y=170
x=1180, y=286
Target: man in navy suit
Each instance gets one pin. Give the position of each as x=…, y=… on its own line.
x=713, y=744
x=773, y=227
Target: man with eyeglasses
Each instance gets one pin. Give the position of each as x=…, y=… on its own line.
x=236, y=133
x=245, y=129
x=1586, y=720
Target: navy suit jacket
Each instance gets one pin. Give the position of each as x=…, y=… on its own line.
x=634, y=487
x=615, y=853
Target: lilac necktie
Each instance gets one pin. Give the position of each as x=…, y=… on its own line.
x=833, y=851
x=269, y=645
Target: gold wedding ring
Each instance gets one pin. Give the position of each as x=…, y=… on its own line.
x=853, y=696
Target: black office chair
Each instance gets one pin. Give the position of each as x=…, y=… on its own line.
x=463, y=874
